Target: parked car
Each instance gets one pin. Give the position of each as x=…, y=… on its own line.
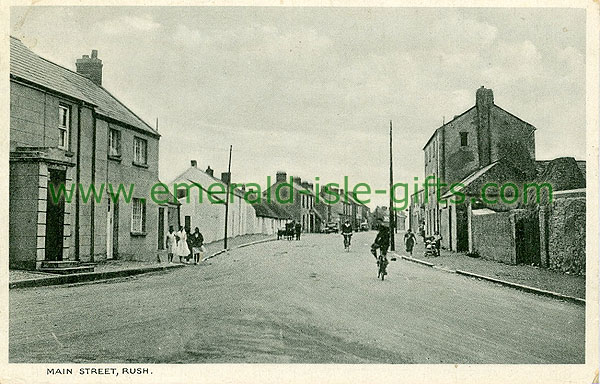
x=331, y=228
x=364, y=226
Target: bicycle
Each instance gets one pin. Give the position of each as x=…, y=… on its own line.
x=347, y=239
x=382, y=262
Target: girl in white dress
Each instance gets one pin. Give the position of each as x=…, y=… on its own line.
x=182, y=247
x=171, y=243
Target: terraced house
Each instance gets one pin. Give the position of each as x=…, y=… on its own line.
x=65, y=128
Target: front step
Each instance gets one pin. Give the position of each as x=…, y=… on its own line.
x=60, y=263
x=68, y=271
x=65, y=267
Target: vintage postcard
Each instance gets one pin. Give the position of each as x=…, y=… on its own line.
x=327, y=192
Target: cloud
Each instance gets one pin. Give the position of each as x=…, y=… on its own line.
x=127, y=23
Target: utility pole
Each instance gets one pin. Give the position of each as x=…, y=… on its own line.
x=392, y=211
x=228, y=183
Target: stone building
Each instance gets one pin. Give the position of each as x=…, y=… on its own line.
x=67, y=130
x=475, y=139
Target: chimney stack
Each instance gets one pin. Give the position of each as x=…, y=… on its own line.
x=210, y=171
x=194, y=163
x=297, y=180
x=484, y=101
x=226, y=177
x=280, y=177
x=90, y=67
x=484, y=98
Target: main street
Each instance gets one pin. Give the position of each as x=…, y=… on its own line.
x=301, y=301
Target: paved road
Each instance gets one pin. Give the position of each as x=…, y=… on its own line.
x=294, y=302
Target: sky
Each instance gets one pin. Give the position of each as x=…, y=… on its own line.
x=311, y=91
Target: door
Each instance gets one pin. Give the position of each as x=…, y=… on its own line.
x=115, y=226
x=527, y=241
x=161, y=228
x=55, y=216
x=188, y=223
x=462, y=229
x=450, y=228
x=109, y=229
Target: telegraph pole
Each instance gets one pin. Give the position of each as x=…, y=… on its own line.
x=228, y=183
x=392, y=211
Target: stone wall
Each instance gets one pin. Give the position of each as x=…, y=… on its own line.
x=493, y=235
x=563, y=232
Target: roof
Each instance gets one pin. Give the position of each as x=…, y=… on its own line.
x=468, y=110
x=440, y=128
x=270, y=209
x=26, y=65
x=464, y=183
x=204, y=180
x=563, y=173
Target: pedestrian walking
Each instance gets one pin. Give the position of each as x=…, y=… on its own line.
x=409, y=241
x=182, y=248
x=197, y=241
x=188, y=238
x=171, y=244
x=437, y=238
x=298, y=228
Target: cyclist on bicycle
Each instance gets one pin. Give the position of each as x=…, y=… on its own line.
x=347, y=233
x=382, y=242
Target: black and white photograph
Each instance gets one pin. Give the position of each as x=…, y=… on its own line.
x=329, y=189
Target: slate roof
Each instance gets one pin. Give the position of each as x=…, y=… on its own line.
x=467, y=181
x=266, y=209
x=204, y=180
x=26, y=65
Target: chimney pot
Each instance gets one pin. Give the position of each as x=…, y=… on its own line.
x=94, y=53
x=210, y=171
x=194, y=163
x=280, y=176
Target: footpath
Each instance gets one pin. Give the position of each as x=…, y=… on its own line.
x=122, y=268
x=524, y=277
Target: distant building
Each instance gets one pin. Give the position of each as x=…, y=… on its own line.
x=67, y=129
x=203, y=204
x=270, y=217
x=297, y=198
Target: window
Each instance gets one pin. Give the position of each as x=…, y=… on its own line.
x=464, y=140
x=63, y=127
x=114, y=143
x=140, y=151
x=138, y=216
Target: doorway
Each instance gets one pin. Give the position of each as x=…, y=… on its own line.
x=527, y=241
x=161, y=228
x=55, y=215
